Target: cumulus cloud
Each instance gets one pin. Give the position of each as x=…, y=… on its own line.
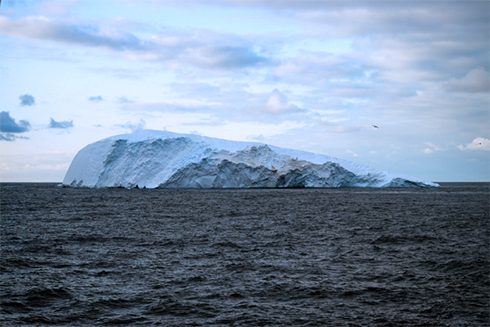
x=277, y=103
x=479, y=143
x=204, y=49
x=60, y=124
x=26, y=100
x=431, y=148
x=9, y=127
x=477, y=80
x=95, y=98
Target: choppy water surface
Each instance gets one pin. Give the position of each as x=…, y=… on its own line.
x=333, y=257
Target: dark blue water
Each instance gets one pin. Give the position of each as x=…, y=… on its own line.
x=325, y=257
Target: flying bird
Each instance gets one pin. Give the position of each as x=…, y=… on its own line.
x=375, y=126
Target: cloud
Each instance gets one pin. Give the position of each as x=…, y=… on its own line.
x=165, y=107
x=27, y=100
x=96, y=99
x=61, y=124
x=477, y=80
x=7, y=137
x=124, y=100
x=353, y=17
x=431, y=148
x=211, y=104
x=302, y=5
x=405, y=43
x=133, y=127
x=219, y=56
x=8, y=124
x=43, y=28
x=122, y=73
x=312, y=66
x=277, y=103
x=478, y=143
x=204, y=49
x=201, y=89
x=8, y=127
x=352, y=153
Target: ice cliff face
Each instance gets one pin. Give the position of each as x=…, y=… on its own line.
x=168, y=160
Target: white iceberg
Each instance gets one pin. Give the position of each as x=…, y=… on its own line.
x=160, y=159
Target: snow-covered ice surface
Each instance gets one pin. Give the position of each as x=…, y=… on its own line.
x=164, y=159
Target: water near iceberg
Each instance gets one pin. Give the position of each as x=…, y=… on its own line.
x=247, y=257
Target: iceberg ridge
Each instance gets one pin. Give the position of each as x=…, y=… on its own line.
x=160, y=159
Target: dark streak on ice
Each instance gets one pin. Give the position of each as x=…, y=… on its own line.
x=329, y=257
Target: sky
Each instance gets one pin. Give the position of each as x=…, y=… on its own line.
x=310, y=75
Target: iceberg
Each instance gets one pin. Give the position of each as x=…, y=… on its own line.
x=161, y=159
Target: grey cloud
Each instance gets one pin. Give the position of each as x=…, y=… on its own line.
x=27, y=100
x=339, y=5
x=227, y=57
x=46, y=29
x=434, y=40
x=7, y=137
x=477, y=80
x=205, y=49
x=444, y=38
x=297, y=5
x=386, y=67
x=8, y=124
x=60, y=124
x=8, y=127
x=95, y=98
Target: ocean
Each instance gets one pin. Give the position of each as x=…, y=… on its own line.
x=245, y=257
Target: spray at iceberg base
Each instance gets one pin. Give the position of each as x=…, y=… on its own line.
x=158, y=159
